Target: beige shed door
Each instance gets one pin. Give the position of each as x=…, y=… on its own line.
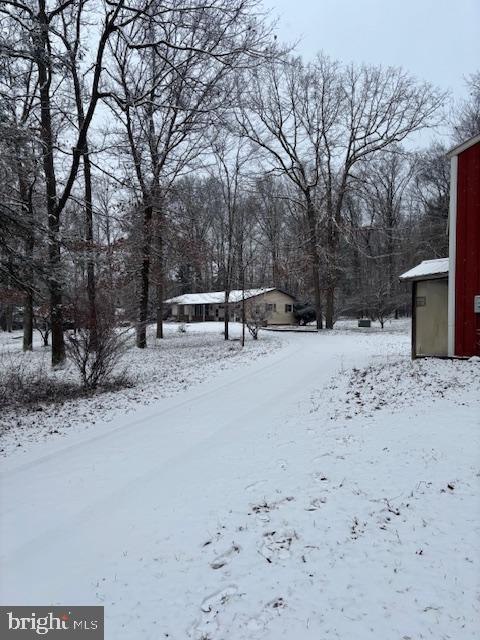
x=431, y=310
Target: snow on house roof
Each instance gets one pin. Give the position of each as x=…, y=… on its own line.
x=428, y=269
x=216, y=297
x=463, y=146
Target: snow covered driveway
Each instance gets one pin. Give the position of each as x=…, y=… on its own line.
x=271, y=501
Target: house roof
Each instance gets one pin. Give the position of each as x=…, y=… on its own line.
x=464, y=146
x=427, y=270
x=217, y=297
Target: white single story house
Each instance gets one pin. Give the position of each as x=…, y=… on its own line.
x=210, y=306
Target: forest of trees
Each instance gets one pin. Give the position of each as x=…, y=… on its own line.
x=151, y=148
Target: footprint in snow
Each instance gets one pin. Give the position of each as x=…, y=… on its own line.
x=276, y=545
x=315, y=504
x=225, y=558
x=272, y=608
x=211, y=604
x=210, y=608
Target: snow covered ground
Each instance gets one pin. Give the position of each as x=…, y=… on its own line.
x=327, y=489
x=168, y=366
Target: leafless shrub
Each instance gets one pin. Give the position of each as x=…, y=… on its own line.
x=20, y=385
x=42, y=322
x=256, y=317
x=96, y=356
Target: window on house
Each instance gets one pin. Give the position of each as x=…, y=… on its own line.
x=288, y=308
x=271, y=307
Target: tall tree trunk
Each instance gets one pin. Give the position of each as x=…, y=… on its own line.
x=160, y=271
x=314, y=258
x=275, y=282
x=331, y=259
x=357, y=275
x=91, y=285
x=27, y=206
x=160, y=307
x=9, y=317
x=144, y=277
x=88, y=227
x=42, y=56
x=334, y=220
x=226, y=312
x=28, y=302
x=329, y=306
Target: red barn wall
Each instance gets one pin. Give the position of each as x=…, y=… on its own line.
x=467, y=263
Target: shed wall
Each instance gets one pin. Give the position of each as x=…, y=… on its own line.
x=431, y=318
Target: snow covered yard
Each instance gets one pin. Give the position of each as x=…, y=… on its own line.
x=167, y=367
x=329, y=489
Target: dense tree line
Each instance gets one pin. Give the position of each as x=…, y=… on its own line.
x=152, y=148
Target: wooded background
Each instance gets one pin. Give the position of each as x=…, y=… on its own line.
x=150, y=148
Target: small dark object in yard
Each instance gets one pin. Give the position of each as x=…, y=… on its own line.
x=451, y=486
x=364, y=322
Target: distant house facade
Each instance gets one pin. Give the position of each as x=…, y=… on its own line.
x=276, y=305
x=446, y=292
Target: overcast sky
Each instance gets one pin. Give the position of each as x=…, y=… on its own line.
x=436, y=40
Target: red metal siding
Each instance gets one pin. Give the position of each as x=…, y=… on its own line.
x=467, y=263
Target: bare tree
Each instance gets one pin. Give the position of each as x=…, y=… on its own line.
x=19, y=175
x=256, y=317
x=71, y=23
x=232, y=155
x=316, y=122
x=467, y=121
x=96, y=363
x=37, y=26
x=386, y=179
x=380, y=108
x=430, y=201
x=173, y=69
x=279, y=112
